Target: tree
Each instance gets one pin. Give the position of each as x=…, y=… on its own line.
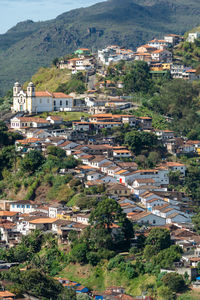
x=153, y=158
x=166, y=258
x=165, y=293
x=92, y=258
x=106, y=213
x=78, y=253
x=67, y=294
x=196, y=222
x=174, y=282
x=174, y=178
x=82, y=297
x=138, y=78
x=56, y=151
x=159, y=238
x=40, y=285
x=177, y=99
x=55, y=61
x=32, y=161
x=139, y=141
x=149, y=252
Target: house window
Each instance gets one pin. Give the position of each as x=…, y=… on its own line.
x=47, y=100
x=154, y=221
x=67, y=103
x=18, y=206
x=54, y=103
x=60, y=102
x=27, y=206
x=13, y=205
x=40, y=100
x=23, y=206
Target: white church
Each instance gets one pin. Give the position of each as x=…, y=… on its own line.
x=30, y=101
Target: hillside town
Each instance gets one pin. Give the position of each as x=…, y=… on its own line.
x=105, y=145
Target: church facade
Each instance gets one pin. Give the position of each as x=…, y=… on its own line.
x=30, y=101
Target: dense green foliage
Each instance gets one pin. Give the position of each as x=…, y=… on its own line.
x=178, y=99
x=6, y=101
x=42, y=171
x=174, y=282
x=138, y=78
x=75, y=84
x=109, y=231
x=188, y=53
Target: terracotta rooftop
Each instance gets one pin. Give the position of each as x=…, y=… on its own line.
x=44, y=221
x=7, y=213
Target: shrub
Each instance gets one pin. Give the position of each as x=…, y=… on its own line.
x=92, y=258
x=115, y=261
x=174, y=282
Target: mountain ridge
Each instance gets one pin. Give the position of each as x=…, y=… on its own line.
x=30, y=45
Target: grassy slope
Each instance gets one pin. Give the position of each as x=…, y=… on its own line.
x=99, y=278
x=49, y=79
x=192, y=295
x=67, y=116
x=181, y=54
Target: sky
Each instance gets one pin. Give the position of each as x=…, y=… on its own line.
x=14, y=11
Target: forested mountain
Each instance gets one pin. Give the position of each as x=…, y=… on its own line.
x=129, y=23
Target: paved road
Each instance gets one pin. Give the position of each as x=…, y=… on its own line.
x=91, y=82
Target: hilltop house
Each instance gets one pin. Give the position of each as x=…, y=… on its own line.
x=193, y=36
x=34, y=102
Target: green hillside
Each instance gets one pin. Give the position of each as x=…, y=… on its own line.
x=188, y=53
x=49, y=79
x=27, y=46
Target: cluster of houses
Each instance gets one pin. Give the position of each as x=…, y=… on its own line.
x=157, y=53
x=38, y=131
x=142, y=194
x=82, y=60
x=114, y=54
x=111, y=293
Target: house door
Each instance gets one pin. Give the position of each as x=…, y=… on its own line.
x=21, y=107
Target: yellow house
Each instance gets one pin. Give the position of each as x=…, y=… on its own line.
x=166, y=66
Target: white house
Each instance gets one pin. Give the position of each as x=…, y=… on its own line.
x=173, y=39
x=161, y=56
x=54, y=120
x=37, y=133
x=160, y=176
x=146, y=218
x=193, y=36
x=81, y=126
x=177, y=217
x=121, y=153
x=159, y=44
x=18, y=123
x=92, y=175
x=98, y=161
x=165, y=134
x=174, y=166
x=23, y=206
